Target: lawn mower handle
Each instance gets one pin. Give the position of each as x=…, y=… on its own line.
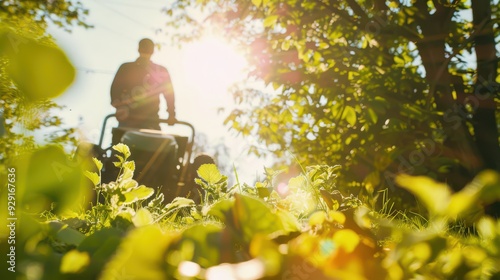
x=190, y=144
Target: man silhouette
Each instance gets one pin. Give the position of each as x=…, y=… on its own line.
x=136, y=89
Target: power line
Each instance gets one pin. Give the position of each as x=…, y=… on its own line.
x=124, y=15
x=136, y=6
x=94, y=71
x=116, y=32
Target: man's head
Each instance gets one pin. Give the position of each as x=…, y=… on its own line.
x=146, y=47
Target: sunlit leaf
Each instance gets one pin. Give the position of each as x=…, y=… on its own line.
x=102, y=244
x=270, y=20
x=128, y=185
x=317, y=218
x=140, y=255
x=180, y=202
x=210, y=173
x=299, y=182
x=220, y=208
x=484, y=189
x=123, y=149
x=434, y=195
x=257, y=2
x=206, y=244
x=48, y=179
x=142, y=218
x=337, y=217
x=372, y=115
x=487, y=228
x=141, y=193
x=254, y=216
x=129, y=165
x=127, y=174
x=346, y=239
x=267, y=251
x=39, y=71
x=74, y=261
x=94, y=177
x=349, y=115
x=97, y=163
x=66, y=234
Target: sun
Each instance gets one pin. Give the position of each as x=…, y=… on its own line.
x=213, y=65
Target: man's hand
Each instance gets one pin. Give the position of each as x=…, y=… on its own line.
x=171, y=120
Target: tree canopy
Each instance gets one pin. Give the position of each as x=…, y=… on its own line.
x=380, y=87
x=33, y=70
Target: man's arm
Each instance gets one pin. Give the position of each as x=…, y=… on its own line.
x=116, y=92
x=168, y=93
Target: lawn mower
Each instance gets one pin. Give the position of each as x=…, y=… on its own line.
x=162, y=160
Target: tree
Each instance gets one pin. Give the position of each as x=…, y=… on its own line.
x=380, y=87
x=27, y=81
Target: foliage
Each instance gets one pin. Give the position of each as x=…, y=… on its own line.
x=62, y=13
x=312, y=227
x=245, y=232
x=382, y=87
x=32, y=70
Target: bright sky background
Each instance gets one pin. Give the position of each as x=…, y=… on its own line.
x=200, y=91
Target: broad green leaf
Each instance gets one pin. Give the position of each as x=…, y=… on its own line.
x=461, y=204
x=393, y=4
x=127, y=174
x=435, y=196
x=299, y=182
x=141, y=193
x=372, y=115
x=129, y=165
x=210, y=173
x=142, y=218
x=285, y=46
x=346, y=239
x=97, y=163
x=484, y=189
x=123, y=220
x=48, y=180
x=253, y=216
x=220, y=208
x=289, y=221
x=66, y=234
x=205, y=244
x=123, y=149
x=317, y=218
x=70, y=236
x=39, y=71
x=94, y=177
x=179, y=202
x=337, y=217
x=487, y=228
x=488, y=182
x=371, y=181
x=101, y=245
x=74, y=261
x=141, y=255
x=128, y=185
x=257, y=2
x=270, y=20
x=121, y=161
x=349, y=115
x=267, y=251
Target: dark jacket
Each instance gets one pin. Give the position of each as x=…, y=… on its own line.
x=138, y=85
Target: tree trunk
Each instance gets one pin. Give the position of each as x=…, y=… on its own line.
x=458, y=143
x=484, y=119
